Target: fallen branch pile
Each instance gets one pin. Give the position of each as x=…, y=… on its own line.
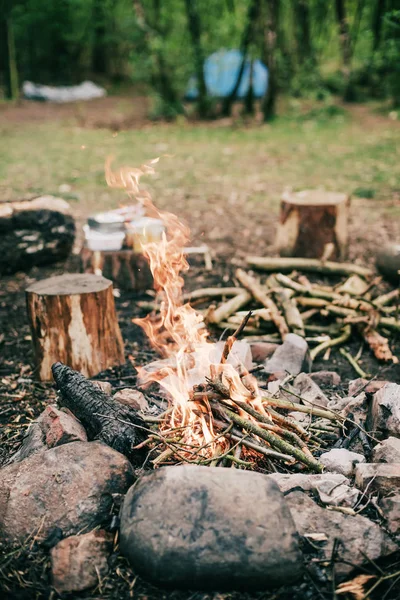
x=327, y=316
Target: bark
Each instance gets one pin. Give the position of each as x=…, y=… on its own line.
x=309, y=221
x=194, y=25
x=127, y=269
x=103, y=418
x=35, y=232
x=73, y=319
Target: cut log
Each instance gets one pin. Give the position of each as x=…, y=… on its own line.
x=128, y=270
x=34, y=232
x=103, y=418
x=310, y=220
x=73, y=320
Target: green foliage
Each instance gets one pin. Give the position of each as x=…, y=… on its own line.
x=149, y=42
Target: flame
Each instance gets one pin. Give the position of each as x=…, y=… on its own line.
x=179, y=333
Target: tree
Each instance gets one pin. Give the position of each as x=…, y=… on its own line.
x=195, y=33
x=270, y=20
x=8, y=53
x=303, y=32
x=247, y=37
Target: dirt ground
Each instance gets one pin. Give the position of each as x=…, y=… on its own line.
x=230, y=218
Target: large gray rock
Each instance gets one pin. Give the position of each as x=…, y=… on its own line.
x=290, y=357
x=310, y=392
x=209, y=528
x=341, y=460
x=326, y=378
x=384, y=417
x=69, y=487
x=331, y=488
x=380, y=477
x=52, y=428
x=78, y=561
x=387, y=451
x=391, y=509
x=358, y=536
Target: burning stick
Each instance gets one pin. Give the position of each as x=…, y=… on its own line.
x=232, y=338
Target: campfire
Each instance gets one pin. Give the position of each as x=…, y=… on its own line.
x=216, y=409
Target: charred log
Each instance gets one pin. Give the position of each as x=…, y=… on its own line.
x=103, y=418
x=35, y=232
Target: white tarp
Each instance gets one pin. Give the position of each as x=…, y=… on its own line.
x=87, y=90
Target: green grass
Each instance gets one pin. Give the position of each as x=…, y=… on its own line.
x=211, y=164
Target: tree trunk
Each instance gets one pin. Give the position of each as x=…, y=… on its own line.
x=302, y=28
x=377, y=22
x=269, y=56
x=252, y=16
x=73, y=320
x=311, y=220
x=103, y=418
x=34, y=232
x=195, y=33
x=345, y=46
x=127, y=269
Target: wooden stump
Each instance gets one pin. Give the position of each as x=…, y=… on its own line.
x=127, y=269
x=34, y=232
x=73, y=320
x=310, y=220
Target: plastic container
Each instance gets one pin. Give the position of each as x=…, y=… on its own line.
x=101, y=240
x=143, y=231
x=107, y=222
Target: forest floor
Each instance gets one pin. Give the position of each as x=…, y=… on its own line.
x=225, y=178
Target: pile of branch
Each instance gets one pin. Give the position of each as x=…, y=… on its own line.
x=327, y=316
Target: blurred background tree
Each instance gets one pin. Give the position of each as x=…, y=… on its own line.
x=312, y=48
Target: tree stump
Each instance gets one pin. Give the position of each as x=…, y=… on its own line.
x=310, y=220
x=127, y=269
x=34, y=232
x=73, y=320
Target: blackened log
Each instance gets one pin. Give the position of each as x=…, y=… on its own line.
x=34, y=232
x=103, y=418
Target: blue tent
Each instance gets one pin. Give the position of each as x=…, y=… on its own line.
x=221, y=70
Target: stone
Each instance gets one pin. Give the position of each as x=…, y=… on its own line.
x=369, y=387
x=260, y=351
x=52, y=428
x=240, y=354
x=390, y=507
x=197, y=527
x=388, y=262
x=356, y=408
x=290, y=357
x=331, y=488
x=68, y=486
x=326, y=378
x=388, y=451
x=105, y=386
x=356, y=386
x=79, y=561
x=380, y=477
x=341, y=460
x=310, y=392
x=359, y=537
x=384, y=417
x=132, y=398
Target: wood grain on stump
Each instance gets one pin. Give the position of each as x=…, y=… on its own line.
x=73, y=320
x=311, y=219
x=127, y=269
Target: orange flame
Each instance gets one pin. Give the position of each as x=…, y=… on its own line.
x=179, y=334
